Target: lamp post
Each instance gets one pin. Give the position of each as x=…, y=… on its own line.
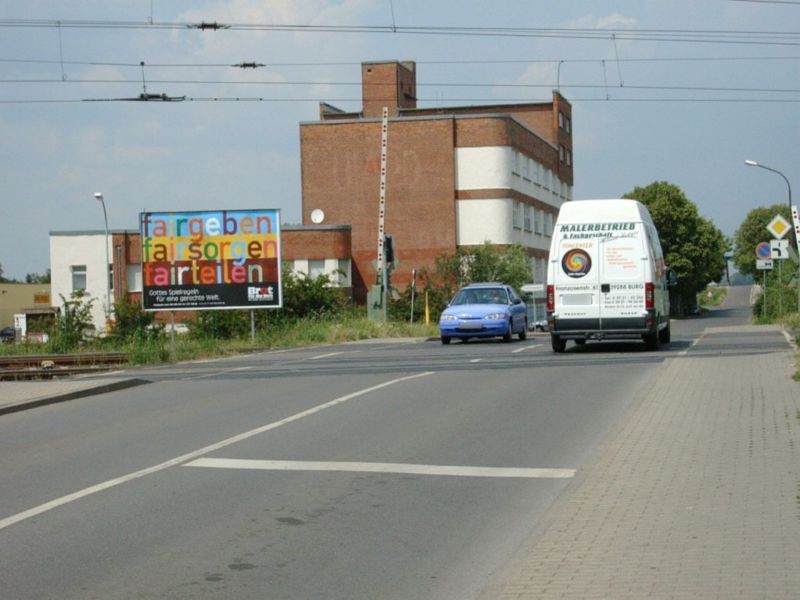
x=752, y=163
x=99, y=197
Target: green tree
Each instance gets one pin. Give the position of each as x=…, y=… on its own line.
x=693, y=247
x=751, y=232
x=37, y=278
x=73, y=322
x=488, y=262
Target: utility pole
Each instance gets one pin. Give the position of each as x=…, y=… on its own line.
x=377, y=298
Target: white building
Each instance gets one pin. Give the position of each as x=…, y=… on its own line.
x=78, y=263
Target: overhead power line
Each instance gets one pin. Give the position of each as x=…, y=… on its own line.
x=460, y=101
x=789, y=38
x=253, y=64
x=419, y=85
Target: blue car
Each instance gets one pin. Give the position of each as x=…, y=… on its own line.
x=483, y=310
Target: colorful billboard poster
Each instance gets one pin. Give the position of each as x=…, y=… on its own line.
x=217, y=259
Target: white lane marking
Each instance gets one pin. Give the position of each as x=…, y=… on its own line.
x=697, y=341
x=325, y=355
x=525, y=348
x=476, y=360
x=398, y=468
x=47, y=506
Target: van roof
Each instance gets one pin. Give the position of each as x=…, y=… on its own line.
x=602, y=211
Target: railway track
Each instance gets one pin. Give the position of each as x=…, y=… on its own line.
x=48, y=366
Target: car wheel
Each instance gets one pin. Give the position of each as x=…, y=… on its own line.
x=559, y=344
x=665, y=335
x=651, y=340
x=524, y=333
x=509, y=332
x=445, y=340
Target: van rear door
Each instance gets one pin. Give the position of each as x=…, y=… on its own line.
x=599, y=277
x=622, y=278
x=576, y=282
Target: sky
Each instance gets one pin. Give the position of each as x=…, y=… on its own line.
x=682, y=91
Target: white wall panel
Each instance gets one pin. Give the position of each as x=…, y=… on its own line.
x=483, y=168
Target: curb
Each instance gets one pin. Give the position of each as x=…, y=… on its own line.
x=100, y=389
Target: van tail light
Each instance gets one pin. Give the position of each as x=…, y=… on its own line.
x=649, y=295
x=551, y=298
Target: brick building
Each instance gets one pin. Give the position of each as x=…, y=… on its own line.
x=456, y=176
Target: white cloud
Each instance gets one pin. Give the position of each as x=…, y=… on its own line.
x=612, y=21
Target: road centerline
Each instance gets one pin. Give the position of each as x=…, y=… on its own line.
x=179, y=460
x=394, y=468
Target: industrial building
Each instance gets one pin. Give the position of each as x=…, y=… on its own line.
x=456, y=177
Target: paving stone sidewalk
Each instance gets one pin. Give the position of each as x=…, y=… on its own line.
x=695, y=495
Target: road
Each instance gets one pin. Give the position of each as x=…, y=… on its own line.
x=383, y=470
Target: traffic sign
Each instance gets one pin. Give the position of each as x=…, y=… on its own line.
x=779, y=226
x=763, y=265
x=779, y=249
x=764, y=250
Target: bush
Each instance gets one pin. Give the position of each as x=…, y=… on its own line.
x=780, y=301
x=132, y=321
x=303, y=297
x=72, y=323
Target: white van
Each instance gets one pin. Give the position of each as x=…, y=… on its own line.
x=606, y=276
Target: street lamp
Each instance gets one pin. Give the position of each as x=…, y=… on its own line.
x=752, y=163
x=99, y=197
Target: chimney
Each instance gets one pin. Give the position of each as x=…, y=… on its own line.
x=391, y=84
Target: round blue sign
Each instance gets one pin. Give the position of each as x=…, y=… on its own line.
x=763, y=250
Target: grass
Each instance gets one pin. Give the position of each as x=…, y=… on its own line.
x=306, y=332
x=712, y=296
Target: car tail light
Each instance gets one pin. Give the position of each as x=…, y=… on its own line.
x=551, y=298
x=649, y=295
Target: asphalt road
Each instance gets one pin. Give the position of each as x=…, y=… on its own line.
x=383, y=470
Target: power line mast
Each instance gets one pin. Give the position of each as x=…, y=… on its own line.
x=377, y=298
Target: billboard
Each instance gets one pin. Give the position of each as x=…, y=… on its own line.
x=217, y=259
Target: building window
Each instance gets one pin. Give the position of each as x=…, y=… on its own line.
x=569, y=157
x=78, y=278
x=343, y=274
x=134, y=278
x=316, y=268
x=561, y=120
x=562, y=153
x=526, y=214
